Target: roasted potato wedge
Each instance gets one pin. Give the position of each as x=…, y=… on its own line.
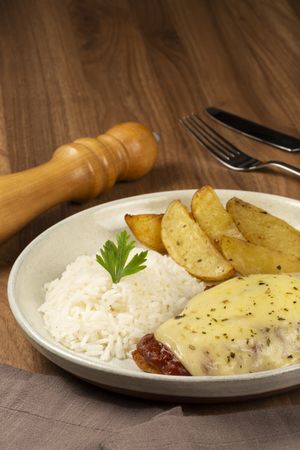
x=190, y=247
x=249, y=258
x=212, y=217
x=147, y=229
x=261, y=228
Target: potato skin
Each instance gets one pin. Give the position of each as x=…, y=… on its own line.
x=261, y=228
x=190, y=247
x=249, y=258
x=147, y=229
x=212, y=217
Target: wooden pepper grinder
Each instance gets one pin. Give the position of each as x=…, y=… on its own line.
x=77, y=171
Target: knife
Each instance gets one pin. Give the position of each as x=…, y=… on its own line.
x=255, y=131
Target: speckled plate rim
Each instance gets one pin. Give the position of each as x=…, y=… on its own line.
x=76, y=359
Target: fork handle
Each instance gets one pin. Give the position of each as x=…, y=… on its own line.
x=284, y=166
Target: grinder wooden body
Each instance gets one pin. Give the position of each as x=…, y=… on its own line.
x=78, y=171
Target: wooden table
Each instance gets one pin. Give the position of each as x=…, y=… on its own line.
x=75, y=68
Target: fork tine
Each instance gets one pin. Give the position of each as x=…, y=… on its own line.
x=200, y=137
x=217, y=138
x=198, y=129
x=218, y=146
x=233, y=157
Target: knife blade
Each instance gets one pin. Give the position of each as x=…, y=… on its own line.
x=255, y=130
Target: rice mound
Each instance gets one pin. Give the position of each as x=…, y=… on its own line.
x=86, y=312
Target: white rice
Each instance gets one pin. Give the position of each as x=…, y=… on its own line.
x=86, y=312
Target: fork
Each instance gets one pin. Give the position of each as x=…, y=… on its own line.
x=225, y=152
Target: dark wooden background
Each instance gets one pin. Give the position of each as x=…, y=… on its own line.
x=75, y=68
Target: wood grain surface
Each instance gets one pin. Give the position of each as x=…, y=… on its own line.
x=77, y=67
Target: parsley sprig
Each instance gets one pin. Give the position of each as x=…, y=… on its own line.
x=114, y=257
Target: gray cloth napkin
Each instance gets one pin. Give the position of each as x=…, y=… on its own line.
x=41, y=412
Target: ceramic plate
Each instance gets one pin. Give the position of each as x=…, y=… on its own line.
x=46, y=257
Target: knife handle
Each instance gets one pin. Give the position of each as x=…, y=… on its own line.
x=77, y=171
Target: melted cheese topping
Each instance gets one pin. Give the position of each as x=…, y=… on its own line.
x=246, y=324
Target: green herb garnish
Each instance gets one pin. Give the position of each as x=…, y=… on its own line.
x=114, y=257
